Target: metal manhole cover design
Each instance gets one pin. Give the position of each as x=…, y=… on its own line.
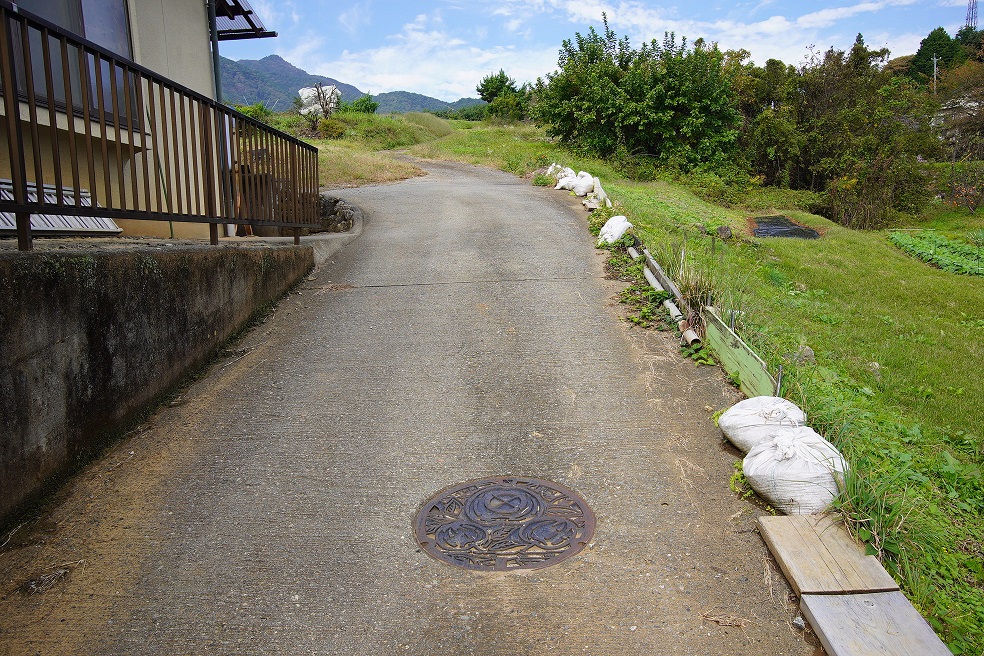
x=504, y=524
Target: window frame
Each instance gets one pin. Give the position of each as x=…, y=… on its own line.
x=96, y=110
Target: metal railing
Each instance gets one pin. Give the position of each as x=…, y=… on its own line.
x=89, y=123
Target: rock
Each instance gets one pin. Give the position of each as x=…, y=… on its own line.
x=724, y=232
x=805, y=355
x=799, y=623
x=702, y=229
x=875, y=370
x=337, y=215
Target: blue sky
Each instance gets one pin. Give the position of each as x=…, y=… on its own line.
x=443, y=48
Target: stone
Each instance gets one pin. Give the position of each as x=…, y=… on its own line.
x=724, y=232
x=805, y=355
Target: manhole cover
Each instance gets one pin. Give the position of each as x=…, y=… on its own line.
x=504, y=524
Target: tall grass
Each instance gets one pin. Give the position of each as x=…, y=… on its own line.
x=343, y=164
x=435, y=125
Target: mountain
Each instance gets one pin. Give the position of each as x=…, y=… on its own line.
x=272, y=81
x=275, y=81
x=401, y=102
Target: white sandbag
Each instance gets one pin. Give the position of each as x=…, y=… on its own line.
x=751, y=421
x=583, y=185
x=613, y=230
x=561, y=172
x=797, y=472
x=566, y=183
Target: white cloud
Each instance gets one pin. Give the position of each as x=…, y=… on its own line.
x=426, y=59
x=829, y=17
x=356, y=17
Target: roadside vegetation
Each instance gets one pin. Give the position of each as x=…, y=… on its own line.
x=878, y=325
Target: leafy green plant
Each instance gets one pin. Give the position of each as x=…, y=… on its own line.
x=256, y=111
x=541, y=180
x=699, y=354
x=947, y=254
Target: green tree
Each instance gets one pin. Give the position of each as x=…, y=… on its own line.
x=365, y=105
x=937, y=43
x=508, y=106
x=861, y=134
x=972, y=41
x=666, y=99
x=494, y=85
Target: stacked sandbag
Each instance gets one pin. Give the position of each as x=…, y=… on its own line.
x=613, y=230
x=558, y=172
x=584, y=184
x=754, y=420
x=796, y=471
x=581, y=184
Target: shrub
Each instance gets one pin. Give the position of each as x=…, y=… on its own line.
x=330, y=128
x=257, y=111
x=672, y=101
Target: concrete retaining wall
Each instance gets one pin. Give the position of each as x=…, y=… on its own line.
x=90, y=339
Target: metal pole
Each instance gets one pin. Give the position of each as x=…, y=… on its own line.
x=224, y=165
x=214, y=36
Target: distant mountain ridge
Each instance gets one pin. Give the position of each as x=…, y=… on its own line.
x=274, y=82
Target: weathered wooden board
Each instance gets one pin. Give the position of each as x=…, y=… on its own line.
x=736, y=357
x=819, y=557
x=877, y=624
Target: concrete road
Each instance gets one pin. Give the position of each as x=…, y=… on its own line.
x=468, y=332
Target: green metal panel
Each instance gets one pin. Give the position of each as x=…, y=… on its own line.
x=736, y=357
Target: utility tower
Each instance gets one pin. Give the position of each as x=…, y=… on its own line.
x=972, y=14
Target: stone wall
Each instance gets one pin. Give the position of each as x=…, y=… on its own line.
x=92, y=338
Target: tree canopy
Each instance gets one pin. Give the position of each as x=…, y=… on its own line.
x=669, y=100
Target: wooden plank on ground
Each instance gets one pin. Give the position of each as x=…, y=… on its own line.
x=871, y=625
x=818, y=556
x=736, y=357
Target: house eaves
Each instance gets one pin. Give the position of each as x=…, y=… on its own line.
x=235, y=19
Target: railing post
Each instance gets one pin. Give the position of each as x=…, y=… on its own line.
x=211, y=201
x=25, y=242
x=15, y=139
x=297, y=236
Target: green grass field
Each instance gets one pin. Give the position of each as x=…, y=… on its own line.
x=897, y=381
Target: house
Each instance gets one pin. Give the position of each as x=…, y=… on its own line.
x=119, y=119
